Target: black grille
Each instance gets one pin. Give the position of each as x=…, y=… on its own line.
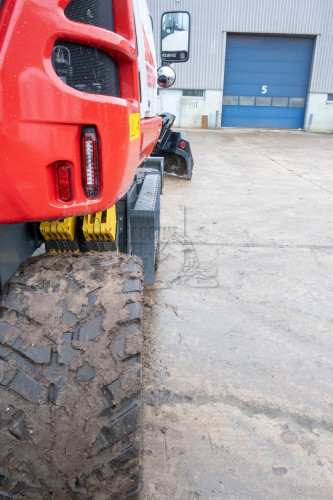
x=86, y=68
x=95, y=12
x=83, y=67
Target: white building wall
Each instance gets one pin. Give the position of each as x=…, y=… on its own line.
x=319, y=114
x=169, y=100
x=193, y=108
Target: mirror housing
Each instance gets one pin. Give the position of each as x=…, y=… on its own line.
x=166, y=76
x=175, y=36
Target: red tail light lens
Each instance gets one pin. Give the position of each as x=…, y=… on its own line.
x=64, y=182
x=90, y=161
x=182, y=144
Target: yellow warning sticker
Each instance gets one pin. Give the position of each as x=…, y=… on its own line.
x=134, y=126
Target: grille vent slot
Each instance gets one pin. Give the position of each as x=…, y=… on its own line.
x=95, y=12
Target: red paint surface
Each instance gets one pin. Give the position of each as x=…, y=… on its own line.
x=42, y=118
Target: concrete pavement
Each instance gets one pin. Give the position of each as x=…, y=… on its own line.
x=238, y=363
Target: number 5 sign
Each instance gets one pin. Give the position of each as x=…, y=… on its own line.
x=264, y=89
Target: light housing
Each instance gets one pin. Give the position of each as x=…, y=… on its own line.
x=90, y=161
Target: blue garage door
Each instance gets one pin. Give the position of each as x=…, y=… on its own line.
x=266, y=81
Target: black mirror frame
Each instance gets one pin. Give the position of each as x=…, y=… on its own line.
x=171, y=61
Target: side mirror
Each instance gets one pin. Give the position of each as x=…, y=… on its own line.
x=175, y=34
x=166, y=76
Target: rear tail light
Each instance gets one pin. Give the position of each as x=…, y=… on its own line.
x=182, y=144
x=64, y=182
x=90, y=161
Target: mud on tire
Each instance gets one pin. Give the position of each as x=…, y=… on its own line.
x=70, y=378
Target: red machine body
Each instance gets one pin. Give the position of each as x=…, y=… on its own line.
x=42, y=118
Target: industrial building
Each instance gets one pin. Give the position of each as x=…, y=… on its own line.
x=253, y=63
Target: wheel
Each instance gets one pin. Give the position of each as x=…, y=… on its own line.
x=70, y=378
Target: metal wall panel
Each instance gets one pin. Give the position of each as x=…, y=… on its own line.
x=269, y=75
x=212, y=19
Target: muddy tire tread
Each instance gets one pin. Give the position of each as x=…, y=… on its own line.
x=71, y=378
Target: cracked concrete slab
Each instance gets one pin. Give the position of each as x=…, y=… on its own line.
x=238, y=349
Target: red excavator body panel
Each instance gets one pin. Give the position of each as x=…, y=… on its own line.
x=42, y=117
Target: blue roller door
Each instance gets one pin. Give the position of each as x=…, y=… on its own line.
x=266, y=81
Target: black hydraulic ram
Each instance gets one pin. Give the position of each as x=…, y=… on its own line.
x=175, y=149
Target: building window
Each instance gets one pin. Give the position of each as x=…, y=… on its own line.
x=247, y=100
x=230, y=100
x=263, y=101
x=329, y=97
x=281, y=102
x=296, y=102
x=193, y=93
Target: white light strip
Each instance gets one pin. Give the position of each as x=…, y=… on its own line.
x=90, y=171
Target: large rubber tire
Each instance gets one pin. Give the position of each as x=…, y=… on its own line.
x=70, y=378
